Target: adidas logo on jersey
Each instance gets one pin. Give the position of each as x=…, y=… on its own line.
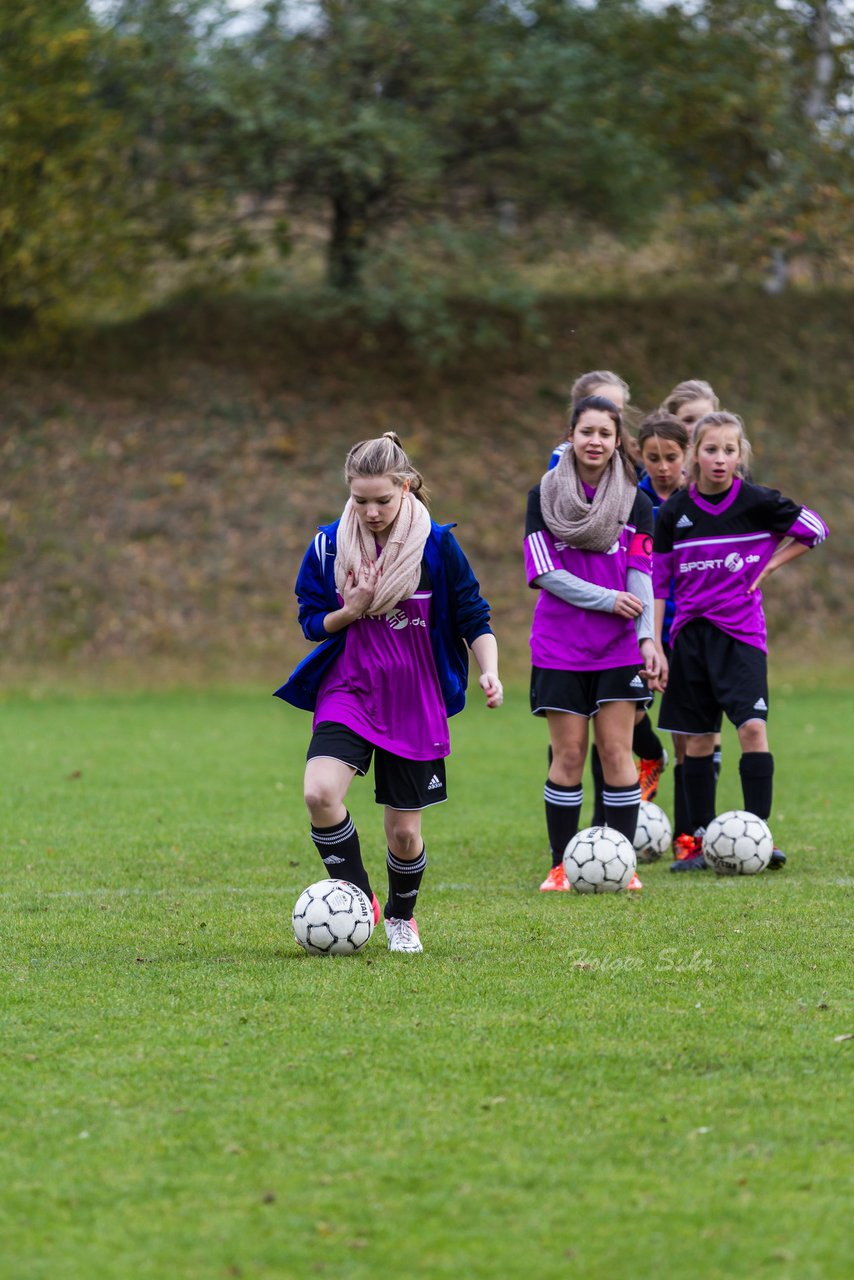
x=684, y=523
x=637, y=683
x=760, y=705
x=434, y=784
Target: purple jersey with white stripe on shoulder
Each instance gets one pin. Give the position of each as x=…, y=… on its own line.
x=713, y=551
x=564, y=637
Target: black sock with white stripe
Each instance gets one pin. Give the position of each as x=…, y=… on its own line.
x=341, y=852
x=404, y=881
x=757, y=782
x=716, y=757
x=621, y=809
x=563, y=810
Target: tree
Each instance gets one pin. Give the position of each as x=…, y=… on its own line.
x=59, y=180
x=381, y=108
x=763, y=131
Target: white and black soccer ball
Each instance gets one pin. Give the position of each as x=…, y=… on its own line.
x=599, y=860
x=653, y=833
x=332, y=918
x=737, y=843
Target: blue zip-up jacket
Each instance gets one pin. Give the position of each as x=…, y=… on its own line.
x=670, y=604
x=458, y=616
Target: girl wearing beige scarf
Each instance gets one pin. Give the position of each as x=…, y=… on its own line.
x=383, y=699
x=572, y=679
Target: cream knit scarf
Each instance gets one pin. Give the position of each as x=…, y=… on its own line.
x=399, y=562
x=571, y=518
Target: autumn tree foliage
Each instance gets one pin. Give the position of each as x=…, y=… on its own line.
x=140, y=133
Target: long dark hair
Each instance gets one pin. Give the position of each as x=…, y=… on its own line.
x=607, y=406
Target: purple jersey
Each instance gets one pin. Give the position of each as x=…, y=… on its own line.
x=713, y=551
x=564, y=637
x=384, y=685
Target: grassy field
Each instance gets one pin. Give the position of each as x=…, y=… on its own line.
x=559, y=1086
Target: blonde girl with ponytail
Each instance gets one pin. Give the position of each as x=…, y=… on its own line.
x=394, y=607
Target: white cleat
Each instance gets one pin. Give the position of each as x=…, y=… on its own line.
x=402, y=935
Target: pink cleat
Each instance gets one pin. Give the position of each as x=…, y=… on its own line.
x=634, y=883
x=556, y=881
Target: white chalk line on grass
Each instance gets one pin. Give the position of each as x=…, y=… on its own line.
x=190, y=891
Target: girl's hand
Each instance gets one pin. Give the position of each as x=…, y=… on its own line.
x=770, y=568
x=492, y=687
x=652, y=662
x=660, y=684
x=358, y=593
x=788, y=551
x=627, y=606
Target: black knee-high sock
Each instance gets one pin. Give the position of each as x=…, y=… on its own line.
x=341, y=852
x=645, y=741
x=698, y=777
x=621, y=808
x=757, y=782
x=563, y=809
x=598, y=785
x=681, y=821
x=404, y=881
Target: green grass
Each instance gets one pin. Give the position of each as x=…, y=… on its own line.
x=559, y=1086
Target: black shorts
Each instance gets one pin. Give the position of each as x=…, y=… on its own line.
x=668, y=653
x=581, y=693
x=398, y=783
x=711, y=672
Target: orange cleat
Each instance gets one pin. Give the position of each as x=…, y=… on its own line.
x=375, y=903
x=689, y=854
x=634, y=883
x=649, y=772
x=556, y=881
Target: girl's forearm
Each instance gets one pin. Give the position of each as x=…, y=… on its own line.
x=485, y=650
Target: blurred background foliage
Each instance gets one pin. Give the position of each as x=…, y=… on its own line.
x=391, y=154
x=234, y=237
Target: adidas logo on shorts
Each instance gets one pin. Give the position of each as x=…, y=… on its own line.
x=684, y=523
x=637, y=683
x=760, y=705
x=434, y=784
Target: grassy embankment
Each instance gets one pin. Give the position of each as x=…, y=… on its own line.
x=161, y=479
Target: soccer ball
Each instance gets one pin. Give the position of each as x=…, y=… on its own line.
x=653, y=833
x=738, y=843
x=332, y=918
x=599, y=860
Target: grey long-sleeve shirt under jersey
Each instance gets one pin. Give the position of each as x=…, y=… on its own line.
x=586, y=595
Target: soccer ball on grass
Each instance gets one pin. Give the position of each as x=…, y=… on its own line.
x=332, y=918
x=737, y=843
x=599, y=860
x=653, y=833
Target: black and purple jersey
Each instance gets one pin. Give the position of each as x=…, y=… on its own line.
x=713, y=550
x=566, y=638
